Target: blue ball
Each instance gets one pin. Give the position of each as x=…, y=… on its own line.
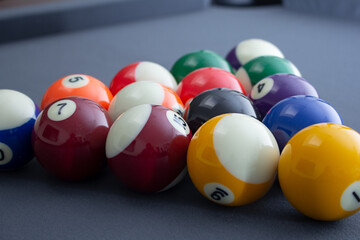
x=17, y=118
x=293, y=114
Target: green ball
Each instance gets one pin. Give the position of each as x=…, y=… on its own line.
x=261, y=67
x=199, y=59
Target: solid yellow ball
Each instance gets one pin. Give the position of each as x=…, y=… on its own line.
x=319, y=171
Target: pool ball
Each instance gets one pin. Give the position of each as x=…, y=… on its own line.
x=78, y=85
x=249, y=49
x=142, y=71
x=204, y=79
x=319, y=171
x=17, y=117
x=146, y=148
x=275, y=88
x=198, y=59
x=232, y=159
x=292, y=114
x=261, y=67
x=214, y=102
x=69, y=138
x=144, y=92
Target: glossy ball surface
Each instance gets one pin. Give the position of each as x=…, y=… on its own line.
x=215, y=102
x=249, y=49
x=149, y=154
x=204, y=79
x=261, y=67
x=319, y=171
x=145, y=92
x=142, y=71
x=232, y=159
x=272, y=89
x=78, y=85
x=69, y=138
x=292, y=114
x=17, y=118
x=198, y=59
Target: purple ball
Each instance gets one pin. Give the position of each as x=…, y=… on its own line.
x=249, y=49
x=232, y=59
x=272, y=89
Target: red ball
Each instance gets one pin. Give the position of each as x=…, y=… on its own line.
x=142, y=71
x=69, y=138
x=149, y=154
x=204, y=79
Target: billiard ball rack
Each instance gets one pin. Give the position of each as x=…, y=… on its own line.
x=224, y=177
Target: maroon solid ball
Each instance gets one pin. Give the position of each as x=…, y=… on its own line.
x=69, y=138
x=147, y=146
x=272, y=89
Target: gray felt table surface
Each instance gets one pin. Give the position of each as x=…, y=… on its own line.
x=34, y=205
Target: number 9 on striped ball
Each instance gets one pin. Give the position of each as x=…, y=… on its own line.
x=232, y=159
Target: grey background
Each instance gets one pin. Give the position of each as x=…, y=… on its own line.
x=34, y=205
x=34, y=20
x=349, y=9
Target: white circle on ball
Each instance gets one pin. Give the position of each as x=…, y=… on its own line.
x=5, y=154
x=262, y=88
x=61, y=110
x=253, y=48
x=75, y=81
x=178, y=122
x=350, y=199
x=15, y=109
x=126, y=128
x=134, y=94
x=244, y=79
x=150, y=71
x=219, y=193
x=246, y=148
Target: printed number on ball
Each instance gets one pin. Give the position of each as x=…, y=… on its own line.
x=5, y=154
x=61, y=110
x=178, y=122
x=75, y=81
x=262, y=88
x=350, y=199
x=219, y=193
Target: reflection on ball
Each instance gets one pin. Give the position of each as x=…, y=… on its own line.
x=142, y=71
x=319, y=171
x=69, y=138
x=232, y=159
x=78, y=85
x=146, y=148
x=249, y=49
x=292, y=114
x=17, y=118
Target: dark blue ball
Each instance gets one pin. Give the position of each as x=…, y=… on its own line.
x=17, y=119
x=293, y=114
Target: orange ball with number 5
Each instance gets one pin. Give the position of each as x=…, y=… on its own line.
x=78, y=85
